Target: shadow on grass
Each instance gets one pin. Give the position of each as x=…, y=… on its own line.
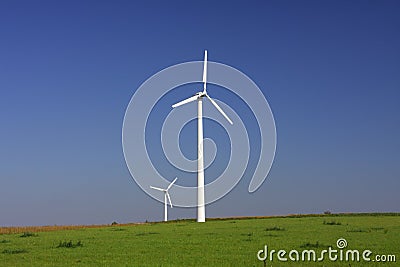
x=271, y=235
x=369, y=230
x=28, y=234
x=14, y=251
x=275, y=228
x=146, y=233
x=118, y=229
x=332, y=223
x=313, y=245
x=69, y=244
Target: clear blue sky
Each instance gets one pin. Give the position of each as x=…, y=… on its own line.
x=329, y=69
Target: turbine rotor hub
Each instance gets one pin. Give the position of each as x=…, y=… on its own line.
x=200, y=94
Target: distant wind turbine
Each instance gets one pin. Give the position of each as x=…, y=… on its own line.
x=166, y=195
x=201, y=213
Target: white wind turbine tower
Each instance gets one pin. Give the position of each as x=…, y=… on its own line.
x=201, y=213
x=166, y=195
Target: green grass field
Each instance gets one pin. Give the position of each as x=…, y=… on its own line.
x=231, y=242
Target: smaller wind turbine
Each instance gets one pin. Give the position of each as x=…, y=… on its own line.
x=166, y=195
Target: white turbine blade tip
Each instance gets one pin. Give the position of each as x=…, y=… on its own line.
x=188, y=100
x=172, y=183
x=157, y=188
x=205, y=72
x=219, y=109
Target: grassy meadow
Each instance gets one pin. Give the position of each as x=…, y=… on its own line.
x=218, y=242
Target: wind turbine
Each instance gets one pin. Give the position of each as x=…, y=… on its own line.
x=166, y=195
x=201, y=213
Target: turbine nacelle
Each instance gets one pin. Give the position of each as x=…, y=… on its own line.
x=200, y=94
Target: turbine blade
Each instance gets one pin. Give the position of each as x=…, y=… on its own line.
x=219, y=109
x=157, y=188
x=170, y=185
x=205, y=72
x=190, y=99
x=169, y=198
